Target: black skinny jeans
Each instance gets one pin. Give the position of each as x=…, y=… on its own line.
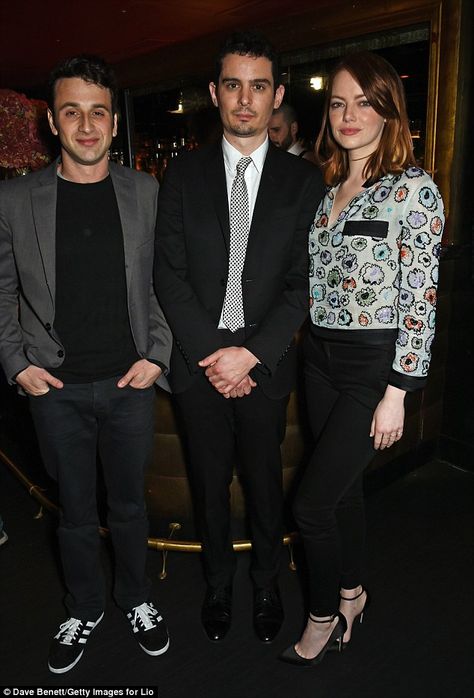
x=73, y=424
x=346, y=376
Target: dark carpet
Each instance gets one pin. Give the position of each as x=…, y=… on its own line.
x=415, y=640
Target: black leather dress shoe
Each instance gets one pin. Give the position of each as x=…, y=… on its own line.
x=267, y=613
x=216, y=612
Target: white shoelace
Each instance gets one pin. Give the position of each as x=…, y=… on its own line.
x=145, y=615
x=67, y=631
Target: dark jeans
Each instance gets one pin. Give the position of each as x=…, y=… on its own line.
x=73, y=425
x=344, y=383
x=219, y=433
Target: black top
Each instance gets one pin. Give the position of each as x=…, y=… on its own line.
x=91, y=295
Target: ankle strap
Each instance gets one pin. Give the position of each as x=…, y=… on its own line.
x=344, y=598
x=328, y=620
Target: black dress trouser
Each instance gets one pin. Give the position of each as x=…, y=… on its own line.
x=220, y=433
x=73, y=425
x=344, y=381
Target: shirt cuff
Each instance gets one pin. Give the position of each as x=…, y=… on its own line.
x=408, y=383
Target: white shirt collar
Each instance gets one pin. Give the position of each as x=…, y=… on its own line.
x=232, y=156
x=295, y=149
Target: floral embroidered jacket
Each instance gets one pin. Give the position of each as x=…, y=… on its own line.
x=377, y=266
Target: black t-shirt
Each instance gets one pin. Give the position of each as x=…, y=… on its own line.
x=91, y=317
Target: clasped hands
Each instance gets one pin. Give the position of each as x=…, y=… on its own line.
x=228, y=369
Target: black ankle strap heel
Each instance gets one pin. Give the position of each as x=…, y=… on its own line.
x=291, y=656
x=366, y=605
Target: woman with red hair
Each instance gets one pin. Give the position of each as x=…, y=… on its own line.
x=374, y=249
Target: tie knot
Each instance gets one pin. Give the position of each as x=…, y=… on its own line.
x=242, y=165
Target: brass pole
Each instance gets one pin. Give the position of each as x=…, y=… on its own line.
x=163, y=544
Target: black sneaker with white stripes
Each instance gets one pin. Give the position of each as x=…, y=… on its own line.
x=149, y=629
x=68, y=645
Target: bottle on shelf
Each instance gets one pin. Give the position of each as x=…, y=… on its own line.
x=174, y=147
x=153, y=155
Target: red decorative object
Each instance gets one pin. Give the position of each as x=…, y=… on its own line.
x=20, y=126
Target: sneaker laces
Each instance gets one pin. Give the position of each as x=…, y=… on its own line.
x=144, y=614
x=68, y=630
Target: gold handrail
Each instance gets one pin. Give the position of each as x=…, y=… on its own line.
x=162, y=544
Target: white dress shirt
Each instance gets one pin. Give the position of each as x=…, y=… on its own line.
x=252, y=177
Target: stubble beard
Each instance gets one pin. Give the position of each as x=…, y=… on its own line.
x=287, y=142
x=243, y=131
x=88, y=158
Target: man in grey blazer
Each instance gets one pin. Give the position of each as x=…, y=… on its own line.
x=82, y=334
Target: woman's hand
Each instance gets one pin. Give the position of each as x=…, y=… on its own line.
x=389, y=415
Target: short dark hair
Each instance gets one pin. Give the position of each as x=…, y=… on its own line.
x=248, y=43
x=288, y=112
x=91, y=69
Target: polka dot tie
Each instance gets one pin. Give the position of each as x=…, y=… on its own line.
x=233, y=312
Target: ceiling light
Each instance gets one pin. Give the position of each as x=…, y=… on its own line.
x=179, y=109
x=317, y=82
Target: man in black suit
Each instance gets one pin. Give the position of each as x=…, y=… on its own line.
x=231, y=273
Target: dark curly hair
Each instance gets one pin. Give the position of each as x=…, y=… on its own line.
x=248, y=43
x=91, y=69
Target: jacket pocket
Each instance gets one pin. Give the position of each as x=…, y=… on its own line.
x=373, y=229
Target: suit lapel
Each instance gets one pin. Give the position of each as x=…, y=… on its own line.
x=217, y=186
x=126, y=195
x=266, y=195
x=44, y=198
x=43, y=201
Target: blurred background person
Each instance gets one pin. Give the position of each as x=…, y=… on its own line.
x=283, y=132
x=3, y=534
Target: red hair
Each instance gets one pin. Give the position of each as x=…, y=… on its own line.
x=384, y=91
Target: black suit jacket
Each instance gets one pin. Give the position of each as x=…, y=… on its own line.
x=192, y=256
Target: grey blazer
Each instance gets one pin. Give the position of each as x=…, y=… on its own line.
x=27, y=269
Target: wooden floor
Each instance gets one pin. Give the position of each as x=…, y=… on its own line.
x=415, y=641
